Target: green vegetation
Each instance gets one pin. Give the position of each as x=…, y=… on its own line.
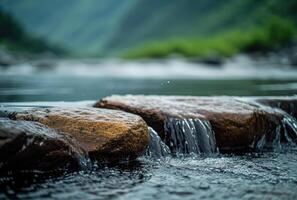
x=14, y=38
x=270, y=36
x=110, y=27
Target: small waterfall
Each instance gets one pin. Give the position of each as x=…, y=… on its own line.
x=190, y=136
x=284, y=134
x=289, y=124
x=269, y=141
x=157, y=148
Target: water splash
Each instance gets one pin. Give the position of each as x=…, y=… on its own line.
x=157, y=148
x=190, y=136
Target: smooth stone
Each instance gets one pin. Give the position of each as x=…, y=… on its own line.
x=27, y=146
x=237, y=122
x=104, y=134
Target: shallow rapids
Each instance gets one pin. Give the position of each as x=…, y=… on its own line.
x=194, y=137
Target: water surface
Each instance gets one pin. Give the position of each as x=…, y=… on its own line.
x=251, y=176
x=76, y=80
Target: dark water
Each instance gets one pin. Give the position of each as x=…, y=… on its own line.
x=266, y=175
x=253, y=176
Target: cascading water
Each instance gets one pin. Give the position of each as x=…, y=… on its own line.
x=284, y=133
x=196, y=136
x=290, y=129
x=190, y=136
x=157, y=148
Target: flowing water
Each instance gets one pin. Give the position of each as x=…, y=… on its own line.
x=286, y=132
x=187, y=165
x=251, y=176
x=157, y=148
x=190, y=136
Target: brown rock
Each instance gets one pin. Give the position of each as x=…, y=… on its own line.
x=238, y=123
x=104, y=134
x=288, y=104
x=32, y=146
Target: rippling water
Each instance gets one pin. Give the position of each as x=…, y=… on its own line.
x=260, y=176
x=269, y=175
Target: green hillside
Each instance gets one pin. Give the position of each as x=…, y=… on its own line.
x=14, y=38
x=110, y=27
x=190, y=18
x=272, y=35
x=82, y=27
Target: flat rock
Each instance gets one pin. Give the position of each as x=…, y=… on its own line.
x=102, y=133
x=32, y=146
x=288, y=104
x=239, y=124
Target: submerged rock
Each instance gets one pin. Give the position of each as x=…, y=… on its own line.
x=236, y=124
x=104, y=134
x=27, y=146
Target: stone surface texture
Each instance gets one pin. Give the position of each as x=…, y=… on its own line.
x=237, y=121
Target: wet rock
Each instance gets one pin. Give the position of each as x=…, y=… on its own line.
x=102, y=133
x=27, y=146
x=238, y=123
x=288, y=104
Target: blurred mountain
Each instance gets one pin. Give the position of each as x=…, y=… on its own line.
x=103, y=27
x=15, y=39
x=80, y=26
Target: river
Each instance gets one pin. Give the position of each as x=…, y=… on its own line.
x=260, y=175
